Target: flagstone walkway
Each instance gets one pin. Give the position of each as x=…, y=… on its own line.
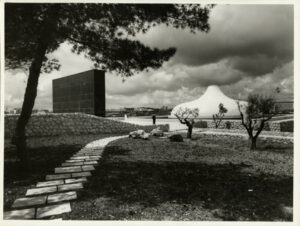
x=51, y=198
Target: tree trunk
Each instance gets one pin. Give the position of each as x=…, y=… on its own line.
x=190, y=130
x=253, y=143
x=28, y=103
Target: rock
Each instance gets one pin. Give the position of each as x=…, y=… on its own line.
x=145, y=136
x=176, y=138
x=136, y=133
x=139, y=134
x=157, y=132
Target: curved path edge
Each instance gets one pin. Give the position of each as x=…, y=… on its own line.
x=52, y=197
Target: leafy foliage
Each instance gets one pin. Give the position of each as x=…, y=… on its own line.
x=255, y=114
x=187, y=116
x=103, y=32
x=220, y=115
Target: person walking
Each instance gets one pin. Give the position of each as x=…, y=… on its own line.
x=154, y=119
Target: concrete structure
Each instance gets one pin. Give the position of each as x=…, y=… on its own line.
x=208, y=104
x=82, y=92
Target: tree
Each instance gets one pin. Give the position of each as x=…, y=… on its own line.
x=220, y=115
x=103, y=32
x=187, y=116
x=255, y=114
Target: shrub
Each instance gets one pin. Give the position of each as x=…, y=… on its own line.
x=176, y=138
x=220, y=115
x=228, y=125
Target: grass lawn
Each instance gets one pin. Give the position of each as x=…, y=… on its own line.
x=42, y=161
x=202, y=179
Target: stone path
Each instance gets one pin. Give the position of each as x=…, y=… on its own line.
x=52, y=197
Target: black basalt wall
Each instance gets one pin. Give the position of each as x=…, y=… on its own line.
x=82, y=92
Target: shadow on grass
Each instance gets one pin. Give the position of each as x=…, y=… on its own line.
x=236, y=195
x=42, y=161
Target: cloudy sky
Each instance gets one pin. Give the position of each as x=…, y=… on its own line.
x=248, y=49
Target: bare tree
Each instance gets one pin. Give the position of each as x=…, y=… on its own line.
x=255, y=114
x=220, y=115
x=186, y=116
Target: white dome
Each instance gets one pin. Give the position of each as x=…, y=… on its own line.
x=208, y=104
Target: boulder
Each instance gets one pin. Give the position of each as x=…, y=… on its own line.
x=157, y=132
x=145, y=136
x=139, y=134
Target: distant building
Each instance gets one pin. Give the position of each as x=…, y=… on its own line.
x=82, y=92
x=145, y=111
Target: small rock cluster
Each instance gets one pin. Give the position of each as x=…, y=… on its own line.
x=157, y=132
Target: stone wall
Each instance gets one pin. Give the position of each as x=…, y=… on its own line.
x=277, y=139
x=286, y=125
x=282, y=125
x=67, y=128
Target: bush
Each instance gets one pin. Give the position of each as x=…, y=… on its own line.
x=176, y=138
x=228, y=125
x=200, y=124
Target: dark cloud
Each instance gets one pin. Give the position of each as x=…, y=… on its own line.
x=249, y=49
x=238, y=33
x=256, y=65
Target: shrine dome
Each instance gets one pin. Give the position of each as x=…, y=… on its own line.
x=208, y=104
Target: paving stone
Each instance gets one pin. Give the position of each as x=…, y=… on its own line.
x=50, y=183
x=59, y=197
x=67, y=187
x=79, y=157
x=88, y=168
x=75, y=180
x=48, y=211
x=87, y=153
x=29, y=201
x=94, y=158
x=39, y=191
x=71, y=169
x=72, y=164
x=19, y=214
x=90, y=163
x=58, y=176
x=75, y=160
x=81, y=174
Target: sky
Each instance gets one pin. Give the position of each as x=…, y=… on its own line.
x=249, y=49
